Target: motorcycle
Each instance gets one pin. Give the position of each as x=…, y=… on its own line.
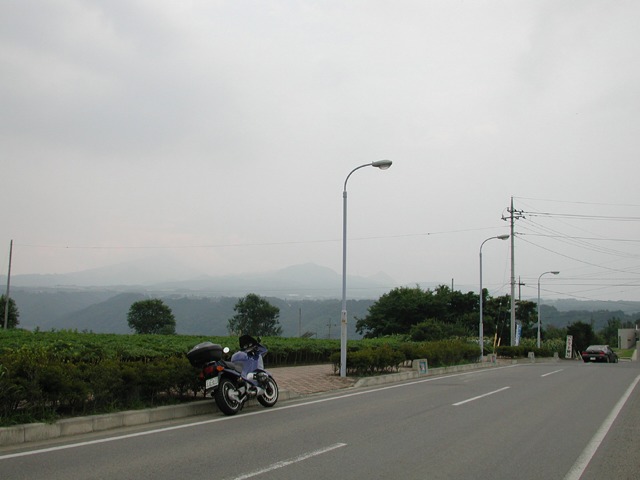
x=232, y=383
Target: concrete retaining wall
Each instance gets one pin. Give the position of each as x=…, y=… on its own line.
x=33, y=432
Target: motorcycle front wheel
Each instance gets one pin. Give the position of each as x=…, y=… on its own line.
x=270, y=395
x=225, y=402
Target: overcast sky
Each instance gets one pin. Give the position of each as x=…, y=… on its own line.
x=218, y=135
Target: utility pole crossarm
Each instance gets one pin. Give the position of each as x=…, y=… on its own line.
x=513, y=216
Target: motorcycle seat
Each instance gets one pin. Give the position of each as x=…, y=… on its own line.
x=235, y=366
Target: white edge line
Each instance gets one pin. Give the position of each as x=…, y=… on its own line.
x=258, y=412
x=589, y=451
x=479, y=396
x=284, y=463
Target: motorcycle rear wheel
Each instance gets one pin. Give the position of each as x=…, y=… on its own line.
x=225, y=403
x=270, y=395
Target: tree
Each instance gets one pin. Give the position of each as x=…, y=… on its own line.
x=151, y=316
x=398, y=311
x=527, y=313
x=394, y=313
x=496, y=317
x=610, y=332
x=432, y=330
x=552, y=332
x=583, y=335
x=255, y=316
x=12, y=319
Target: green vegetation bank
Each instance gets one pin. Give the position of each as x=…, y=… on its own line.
x=48, y=375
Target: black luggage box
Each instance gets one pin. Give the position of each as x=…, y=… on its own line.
x=204, y=353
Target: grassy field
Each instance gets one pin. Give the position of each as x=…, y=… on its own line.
x=624, y=353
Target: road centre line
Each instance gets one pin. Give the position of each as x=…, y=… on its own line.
x=480, y=396
x=551, y=373
x=589, y=451
x=243, y=415
x=284, y=463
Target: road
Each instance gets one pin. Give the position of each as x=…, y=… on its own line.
x=564, y=420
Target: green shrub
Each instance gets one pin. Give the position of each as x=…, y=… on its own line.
x=46, y=375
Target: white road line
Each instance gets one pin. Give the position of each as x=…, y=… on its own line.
x=480, y=396
x=551, y=373
x=244, y=414
x=284, y=463
x=583, y=460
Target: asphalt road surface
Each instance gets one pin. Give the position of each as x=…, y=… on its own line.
x=565, y=420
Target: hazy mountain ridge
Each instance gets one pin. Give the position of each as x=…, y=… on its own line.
x=570, y=304
x=308, y=280
x=194, y=315
x=308, y=297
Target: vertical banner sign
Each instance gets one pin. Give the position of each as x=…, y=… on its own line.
x=423, y=367
x=518, y=333
x=569, y=351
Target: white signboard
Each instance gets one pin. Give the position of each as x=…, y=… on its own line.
x=569, y=351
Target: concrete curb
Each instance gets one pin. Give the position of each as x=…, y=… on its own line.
x=33, y=432
x=432, y=372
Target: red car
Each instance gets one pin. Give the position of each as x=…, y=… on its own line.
x=599, y=353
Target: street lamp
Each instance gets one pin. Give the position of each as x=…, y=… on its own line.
x=481, y=330
x=382, y=165
x=553, y=273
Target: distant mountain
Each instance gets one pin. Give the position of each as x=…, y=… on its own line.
x=568, y=304
x=304, y=281
x=108, y=316
x=106, y=312
x=298, y=281
x=309, y=298
x=98, y=300
x=49, y=308
x=135, y=273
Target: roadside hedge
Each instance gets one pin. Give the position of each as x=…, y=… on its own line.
x=547, y=349
x=48, y=375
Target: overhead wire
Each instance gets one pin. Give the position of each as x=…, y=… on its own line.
x=534, y=228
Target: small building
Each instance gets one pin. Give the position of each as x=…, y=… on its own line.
x=627, y=337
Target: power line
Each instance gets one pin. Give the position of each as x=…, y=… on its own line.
x=580, y=202
x=572, y=258
x=582, y=217
x=254, y=244
x=584, y=238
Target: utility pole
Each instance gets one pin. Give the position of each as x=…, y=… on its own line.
x=520, y=285
x=6, y=299
x=513, y=215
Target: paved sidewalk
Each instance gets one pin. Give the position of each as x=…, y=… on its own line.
x=308, y=379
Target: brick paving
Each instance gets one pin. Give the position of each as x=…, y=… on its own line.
x=308, y=379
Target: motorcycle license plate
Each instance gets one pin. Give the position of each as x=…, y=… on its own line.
x=211, y=383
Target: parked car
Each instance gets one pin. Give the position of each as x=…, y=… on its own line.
x=599, y=353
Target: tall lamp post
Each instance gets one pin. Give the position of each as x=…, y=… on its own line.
x=553, y=273
x=481, y=328
x=382, y=165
